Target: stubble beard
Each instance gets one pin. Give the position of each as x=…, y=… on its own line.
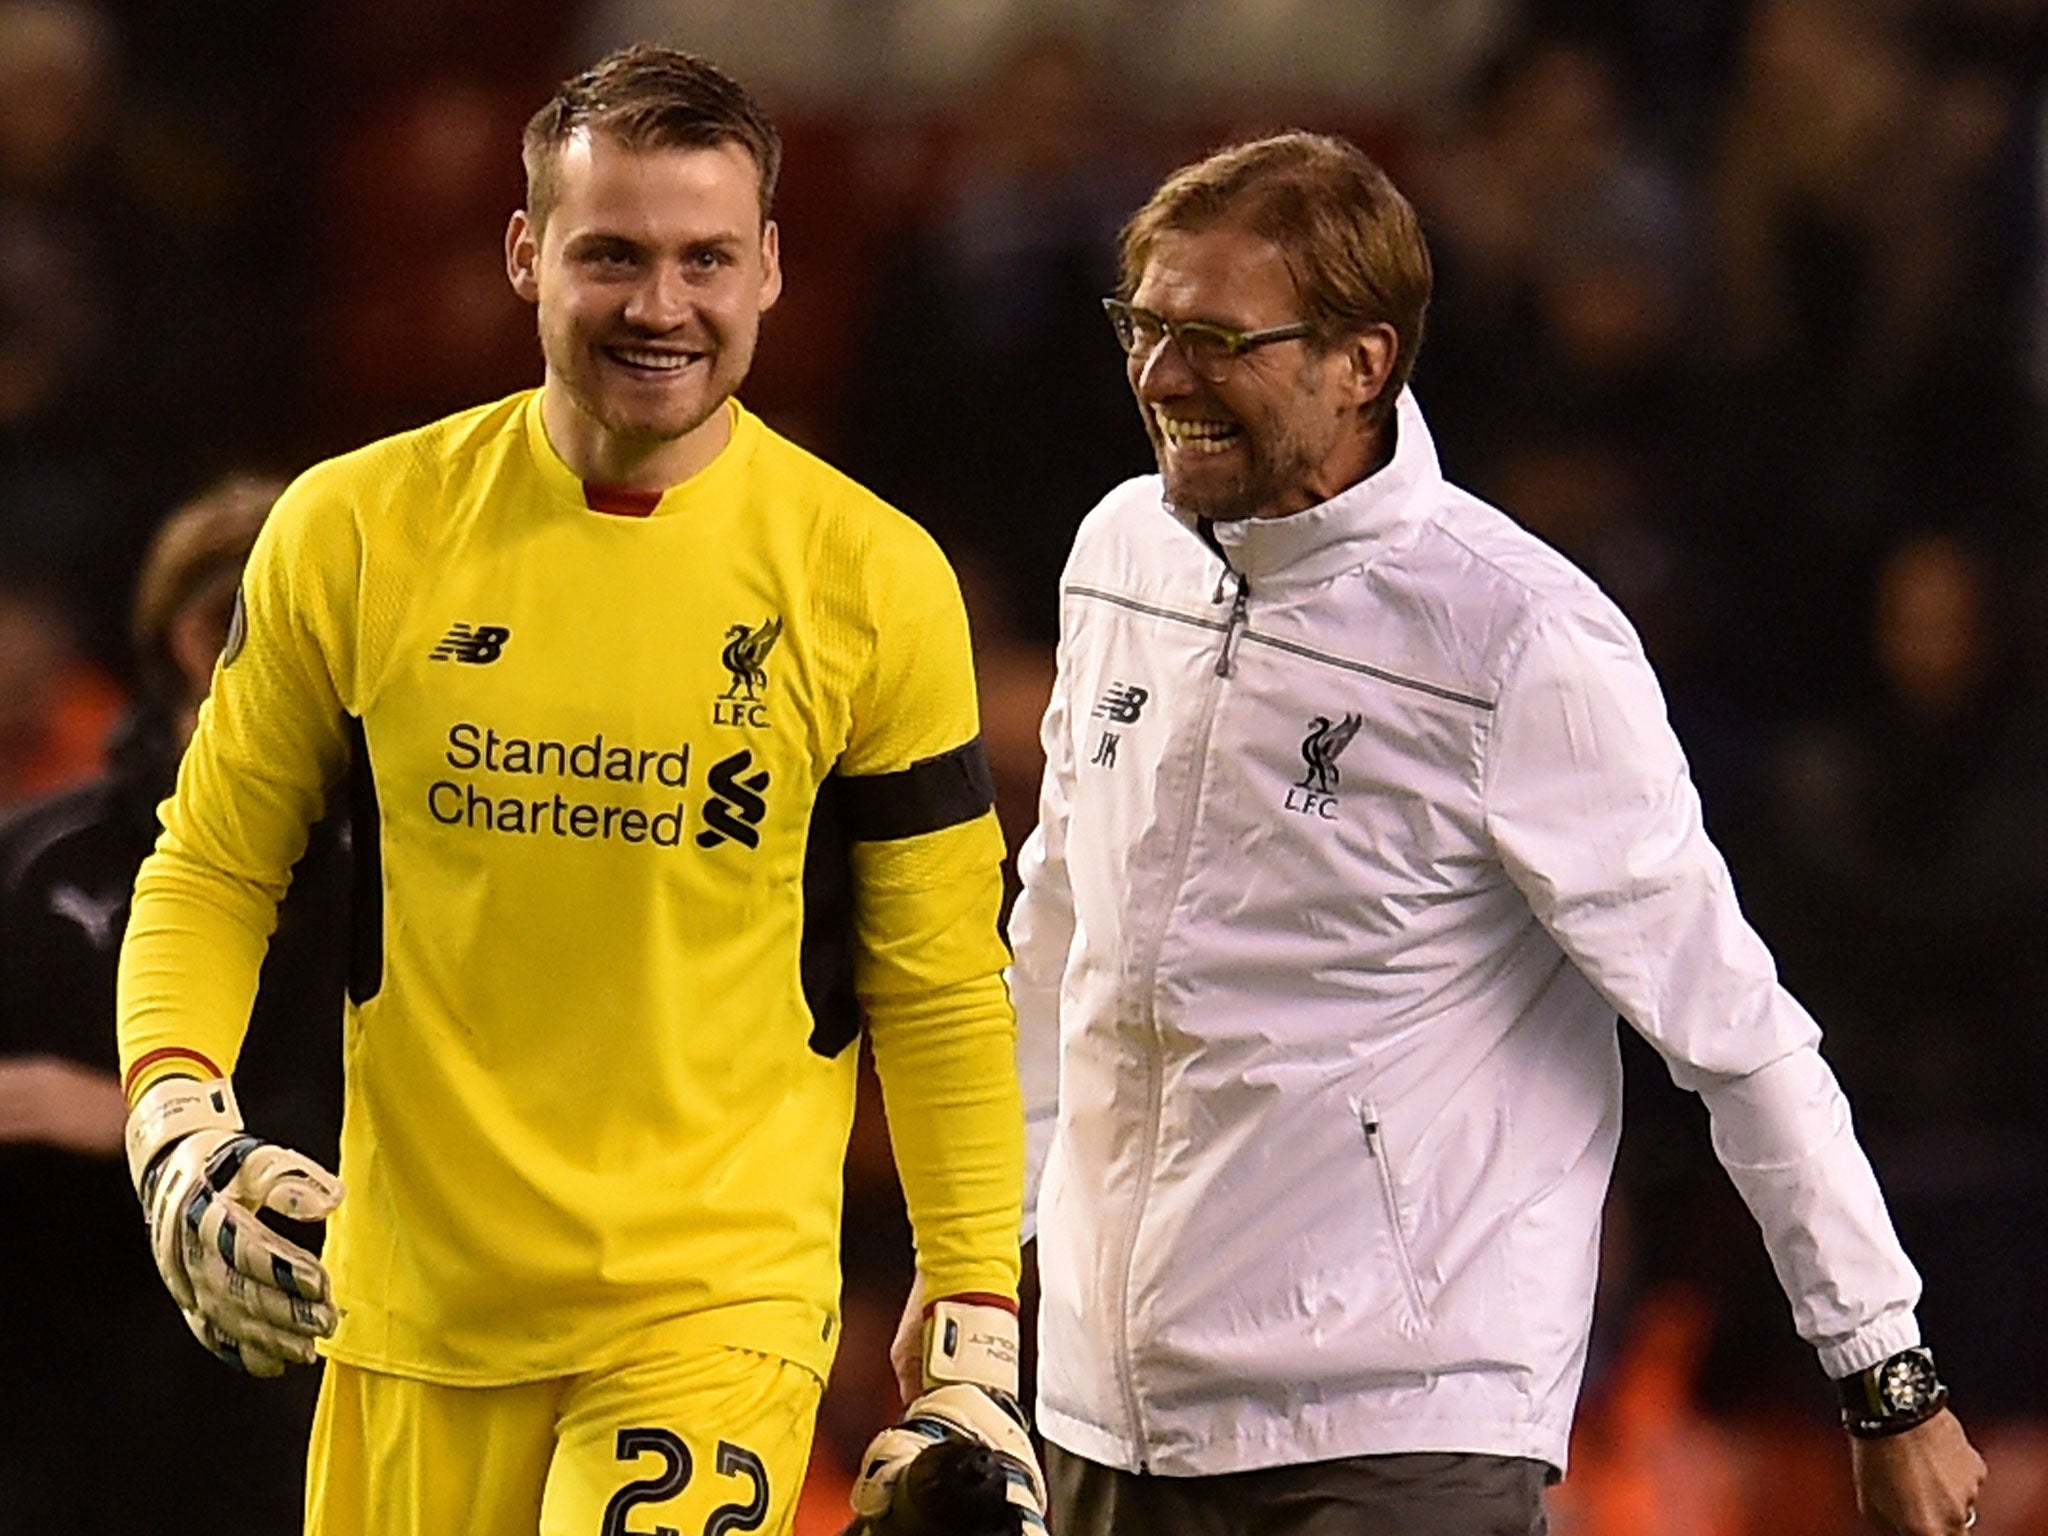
x=1257, y=488
x=652, y=429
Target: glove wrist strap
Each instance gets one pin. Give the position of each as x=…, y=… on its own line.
x=172, y=1109
x=967, y=1339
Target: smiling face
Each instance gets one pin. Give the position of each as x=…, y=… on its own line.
x=651, y=275
x=1280, y=429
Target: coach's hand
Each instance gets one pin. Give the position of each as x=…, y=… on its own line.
x=1921, y=1482
x=965, y=1387
x=250, y=1296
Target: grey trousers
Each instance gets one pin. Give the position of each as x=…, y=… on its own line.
x=1409, y=1495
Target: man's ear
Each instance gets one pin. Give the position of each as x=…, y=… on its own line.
x=522, y=257
x=771, y=265
x=1372, y=354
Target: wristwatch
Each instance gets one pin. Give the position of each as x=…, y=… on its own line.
x=1892, y=1396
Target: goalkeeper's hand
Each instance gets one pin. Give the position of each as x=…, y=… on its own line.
x=250, y=1296
x=970, y=1393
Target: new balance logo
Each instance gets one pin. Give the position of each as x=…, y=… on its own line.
x=476, y=644
x=735, y=808
x=1121, y=702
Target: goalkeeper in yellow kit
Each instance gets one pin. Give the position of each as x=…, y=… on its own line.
x=638, y=706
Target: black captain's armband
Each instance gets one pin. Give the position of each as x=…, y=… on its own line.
x=930, y=795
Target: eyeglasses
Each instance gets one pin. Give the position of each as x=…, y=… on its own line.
x=1209, y=349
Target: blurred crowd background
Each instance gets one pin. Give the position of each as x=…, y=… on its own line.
x=1742, y=304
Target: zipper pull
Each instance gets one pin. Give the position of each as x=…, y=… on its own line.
x=1235, y=627
x=1369, y=1123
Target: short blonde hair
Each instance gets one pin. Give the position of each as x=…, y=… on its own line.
x=646, y=97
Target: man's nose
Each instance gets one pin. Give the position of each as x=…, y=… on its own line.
x=1163, y=371
x=660, y=301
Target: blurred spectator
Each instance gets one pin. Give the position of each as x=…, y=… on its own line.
x=1183, y=61
x=1915, y=875
x=1872, y=252
x=987, y=399
x=422, y=104
x=58, y=334
x=801, y=55
x=1850, y=224
x=100, y=1383
x=1912, y=824
x=1645, y=1460
x=56, y=66
x=1562, y=246
x=417, y=318
x=145, y=234
x=1308, y=59
x=55, y=706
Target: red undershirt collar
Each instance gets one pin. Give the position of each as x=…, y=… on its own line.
x=619, y=500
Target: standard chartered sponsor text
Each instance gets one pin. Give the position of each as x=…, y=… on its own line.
x=481, y=752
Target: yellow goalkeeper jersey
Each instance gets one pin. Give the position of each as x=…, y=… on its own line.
x=590, y=756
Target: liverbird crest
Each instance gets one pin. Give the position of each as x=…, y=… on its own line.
x=1320, y=749
x=745, y=656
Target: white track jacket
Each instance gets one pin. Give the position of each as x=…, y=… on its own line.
x=1359, y=828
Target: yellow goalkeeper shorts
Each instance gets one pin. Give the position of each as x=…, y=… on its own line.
x=702, y=1443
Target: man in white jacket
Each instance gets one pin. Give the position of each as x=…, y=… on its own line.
x=1361, y=822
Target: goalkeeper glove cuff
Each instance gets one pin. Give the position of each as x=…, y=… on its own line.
x=973, y=1339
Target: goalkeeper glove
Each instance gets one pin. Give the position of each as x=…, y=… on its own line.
x=250, y=1296
x=970, y=1372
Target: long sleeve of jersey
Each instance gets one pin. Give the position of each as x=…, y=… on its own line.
x=927, y=856
x=269, y=745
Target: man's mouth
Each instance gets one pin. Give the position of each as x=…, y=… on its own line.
x=652, y=360
x=1185, y=434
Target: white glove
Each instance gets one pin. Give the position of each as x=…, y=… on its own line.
x=250, y=1296
x=971, y=1379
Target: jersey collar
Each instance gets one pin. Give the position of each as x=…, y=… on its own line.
x=710, y=481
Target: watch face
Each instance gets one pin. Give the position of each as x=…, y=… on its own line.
x=1906, y=1383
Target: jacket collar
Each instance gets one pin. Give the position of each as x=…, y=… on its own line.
x=1348, y=529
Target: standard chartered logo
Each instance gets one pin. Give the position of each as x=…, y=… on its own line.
x=735, y=807
x=500, y=784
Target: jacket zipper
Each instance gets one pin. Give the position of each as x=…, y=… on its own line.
x=1234, y=626
x=1234, y=629
x=1369, y=1121
x=1147, y=973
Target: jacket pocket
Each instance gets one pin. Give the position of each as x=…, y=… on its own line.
x=1397, y=1232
